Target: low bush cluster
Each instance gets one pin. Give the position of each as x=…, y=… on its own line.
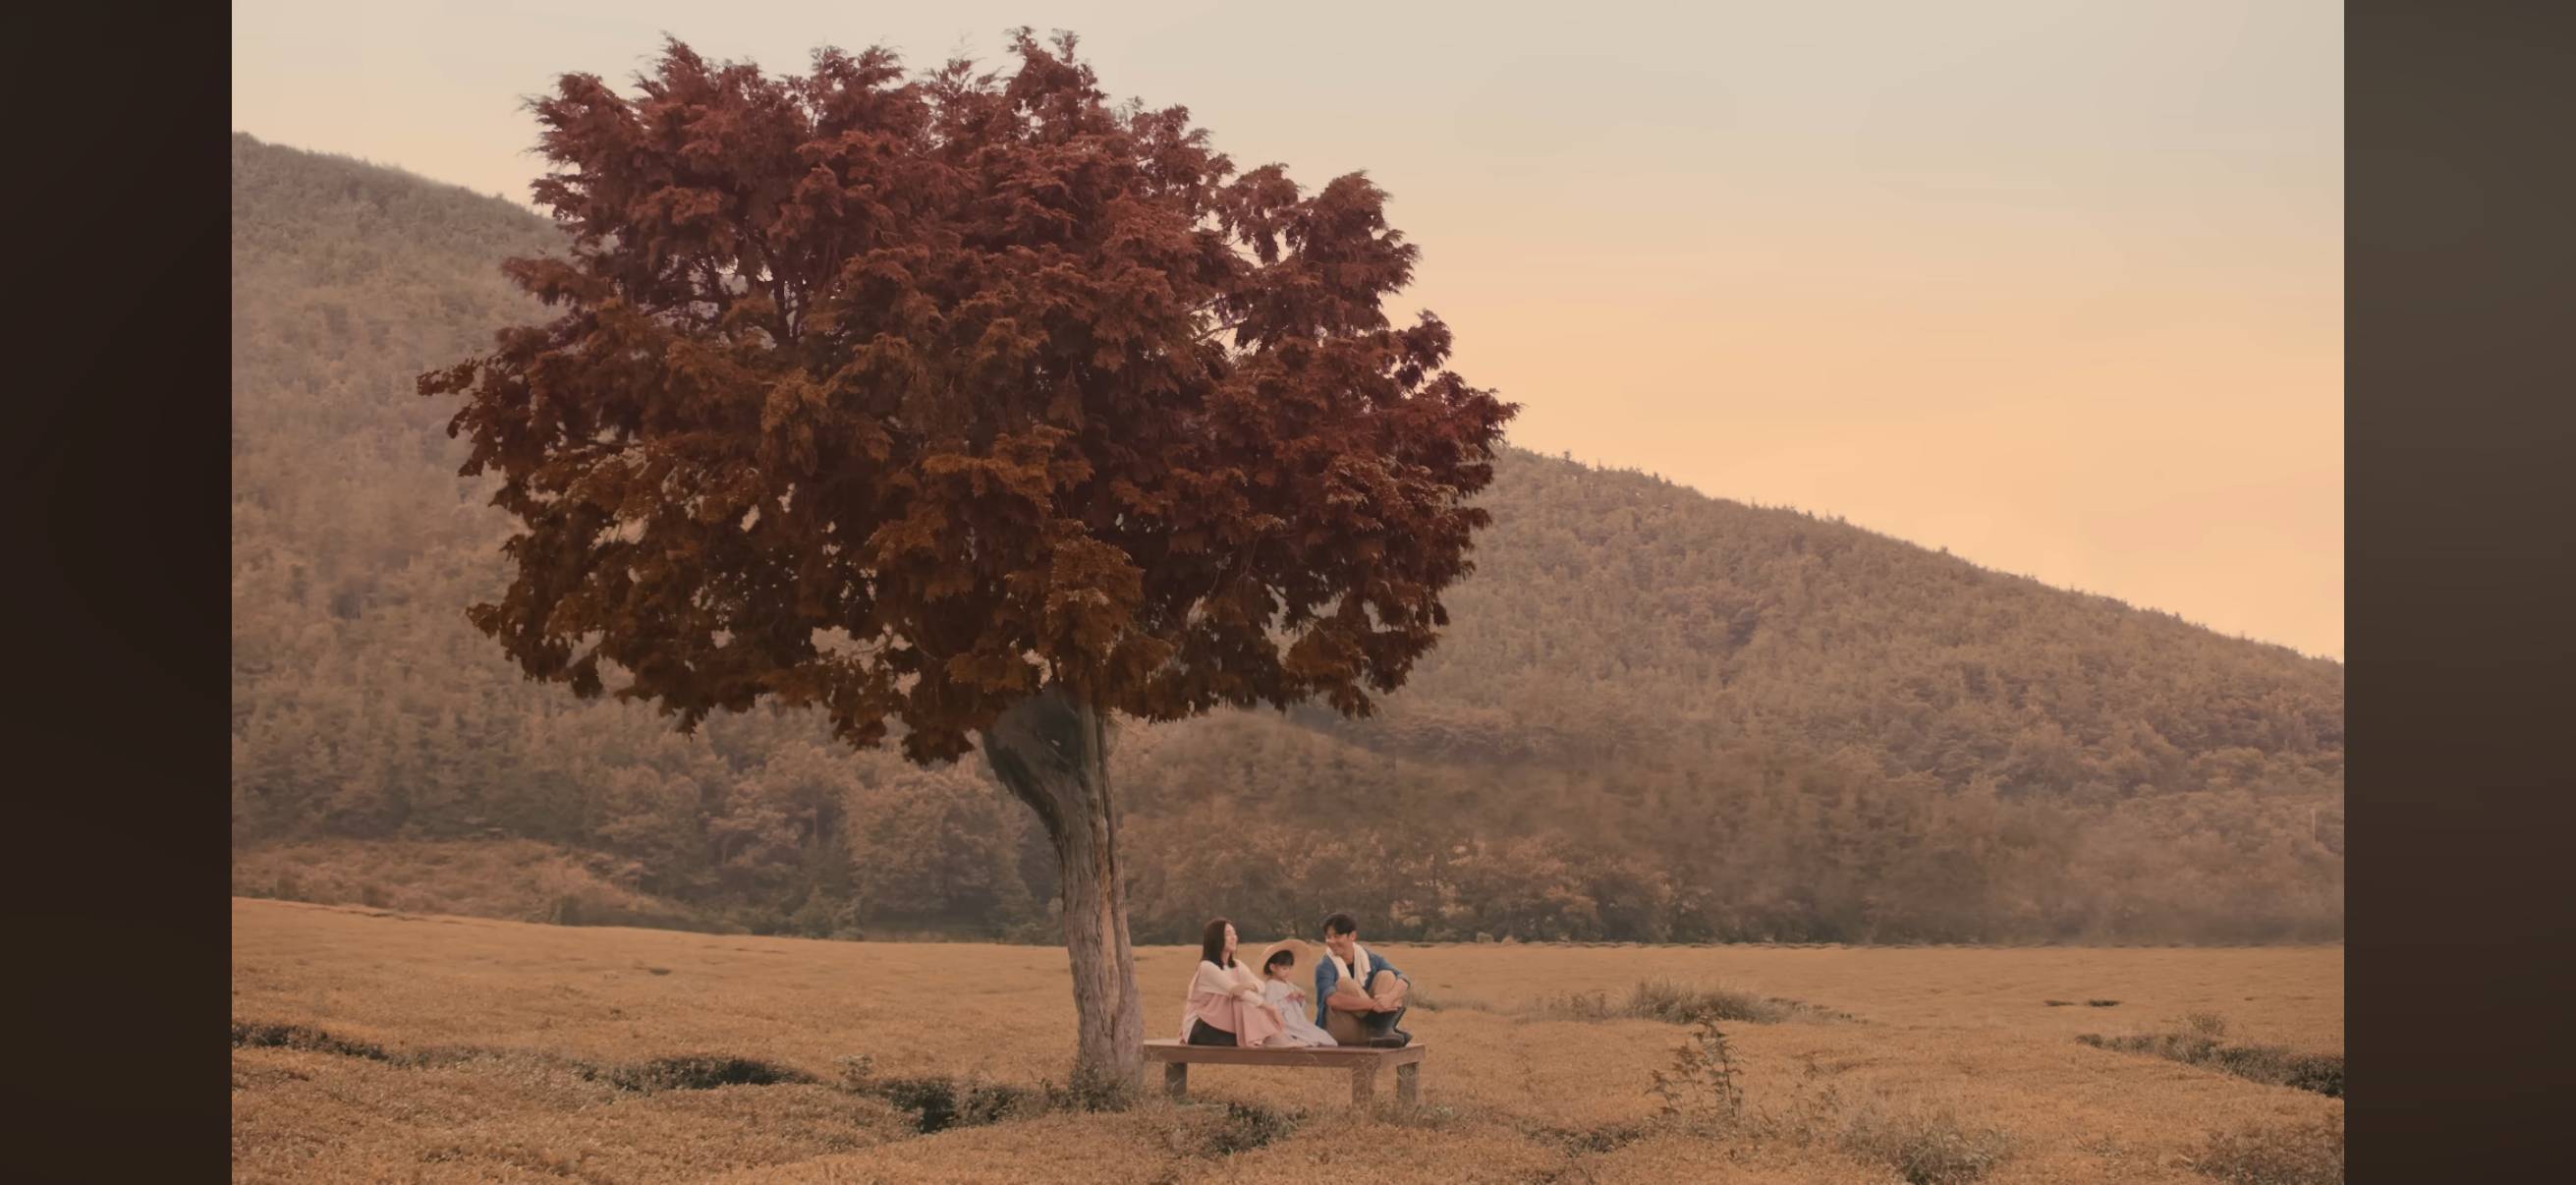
x=1927, y=1146
x=1675, y=1002
x=2200, y=1044
x=2276, y=1154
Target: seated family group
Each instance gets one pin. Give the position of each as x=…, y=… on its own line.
x=1359, y=996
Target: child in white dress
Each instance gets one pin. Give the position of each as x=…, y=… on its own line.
x=1295, y=1013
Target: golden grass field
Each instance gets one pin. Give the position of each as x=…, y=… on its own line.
x=516, y=1010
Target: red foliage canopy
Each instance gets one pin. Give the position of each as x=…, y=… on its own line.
x=911, y=397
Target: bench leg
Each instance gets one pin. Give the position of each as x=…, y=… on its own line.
x=1408, y=1083
x=1176, y=1082
x=1363, y=1085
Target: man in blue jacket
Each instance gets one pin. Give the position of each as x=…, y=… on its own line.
x=1359, y=996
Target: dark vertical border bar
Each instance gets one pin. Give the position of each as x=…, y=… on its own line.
x=2461, y=336
x=116, y=451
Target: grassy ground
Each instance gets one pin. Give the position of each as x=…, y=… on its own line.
x=380, y=1045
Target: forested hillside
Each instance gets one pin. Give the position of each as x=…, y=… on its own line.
x=1657, y=715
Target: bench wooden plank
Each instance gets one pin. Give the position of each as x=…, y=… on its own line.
x=1363, y=1064
x=1169, y=1051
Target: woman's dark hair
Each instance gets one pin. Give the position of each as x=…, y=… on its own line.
x=1341, y=923
x=1212, y=943
x=1276, y=958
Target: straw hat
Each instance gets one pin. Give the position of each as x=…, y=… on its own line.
x=1291, y=945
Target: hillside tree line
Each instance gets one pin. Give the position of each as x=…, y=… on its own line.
x=1656, y=716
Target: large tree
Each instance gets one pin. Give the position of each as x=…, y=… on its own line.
x=968, y=407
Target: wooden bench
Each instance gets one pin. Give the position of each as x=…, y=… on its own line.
x=1360, y=1062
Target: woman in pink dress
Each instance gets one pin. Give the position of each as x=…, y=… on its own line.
x=1225, y=1004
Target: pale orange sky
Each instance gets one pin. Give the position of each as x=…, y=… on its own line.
x=2055, y=284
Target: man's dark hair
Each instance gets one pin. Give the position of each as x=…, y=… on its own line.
x=1212, y=943
x=1278, y=957
x=1341, y=923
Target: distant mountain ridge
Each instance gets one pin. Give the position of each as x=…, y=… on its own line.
x=1656, y=716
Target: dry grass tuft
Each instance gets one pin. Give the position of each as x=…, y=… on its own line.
x=1703, y=1094
x=1702, y=1087
x=1471, y=1151
x=1594, y=1141
x=1926, y=1146
x=2276, y=1154
x=1423, y=1001
x=1224, y=1129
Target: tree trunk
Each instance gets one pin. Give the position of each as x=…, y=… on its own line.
x=1052, y=752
